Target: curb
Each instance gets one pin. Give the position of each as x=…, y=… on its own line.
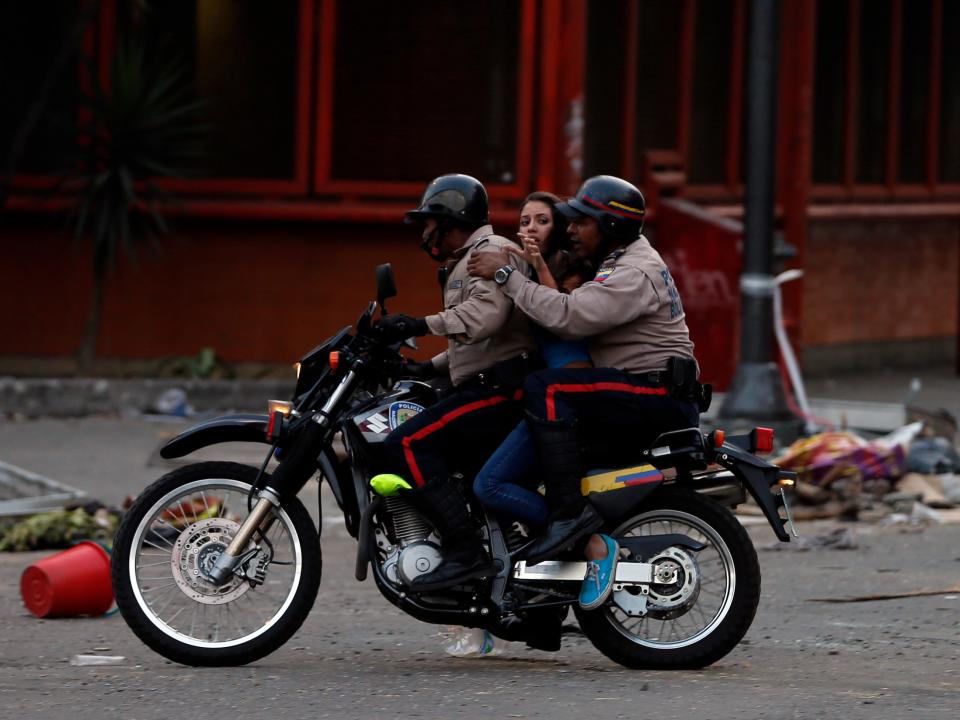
x=78, y=397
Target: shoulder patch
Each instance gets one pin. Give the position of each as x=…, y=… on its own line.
x=603, y=273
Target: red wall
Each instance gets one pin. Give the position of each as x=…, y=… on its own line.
x=880, y=280
x=256, y=292
x=268, y=292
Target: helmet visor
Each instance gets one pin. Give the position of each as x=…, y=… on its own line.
x=574, y=209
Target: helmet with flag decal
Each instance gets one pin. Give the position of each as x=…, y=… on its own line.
x=614, y=203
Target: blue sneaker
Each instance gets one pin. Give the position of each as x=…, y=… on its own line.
x=600, y=574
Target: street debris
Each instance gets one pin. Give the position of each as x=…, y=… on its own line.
x=59, y=528
x=841, y=538
x=924, y=592
x=23, y=492
x=171, y=403
x=907, y=477
x=84, y=660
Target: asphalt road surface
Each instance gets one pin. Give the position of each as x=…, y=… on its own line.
x=358, y=657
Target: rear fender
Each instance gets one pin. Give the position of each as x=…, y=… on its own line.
x=228, y=428
x=758, y=477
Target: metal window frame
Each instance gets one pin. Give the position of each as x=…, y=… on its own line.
x=730, y=187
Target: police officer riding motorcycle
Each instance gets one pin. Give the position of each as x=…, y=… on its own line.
x=489, y=351
x=219, y=563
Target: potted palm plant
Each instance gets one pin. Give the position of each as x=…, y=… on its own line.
x=142, y=125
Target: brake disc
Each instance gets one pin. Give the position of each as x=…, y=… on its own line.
x=194, y=554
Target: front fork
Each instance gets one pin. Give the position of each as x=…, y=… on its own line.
x=290, y=476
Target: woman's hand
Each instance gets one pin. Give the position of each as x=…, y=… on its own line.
x=530, y=252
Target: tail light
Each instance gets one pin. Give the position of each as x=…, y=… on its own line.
x=762, y=439
x=334, y=360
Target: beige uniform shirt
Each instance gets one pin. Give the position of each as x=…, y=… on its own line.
x=480, y=322
x=631, y=311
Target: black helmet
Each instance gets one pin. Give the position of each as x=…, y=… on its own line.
x=460, y=198
x=614, y=203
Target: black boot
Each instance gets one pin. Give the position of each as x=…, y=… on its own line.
x=463, y=557
x=571, y=517
x=540, y=629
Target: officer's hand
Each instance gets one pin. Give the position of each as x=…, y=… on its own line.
x=485, y=264
x=398, y=327
x=420, y=370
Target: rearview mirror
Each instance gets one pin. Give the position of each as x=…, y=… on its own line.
x=386, y=286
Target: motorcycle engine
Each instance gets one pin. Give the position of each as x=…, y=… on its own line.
x=415, y=552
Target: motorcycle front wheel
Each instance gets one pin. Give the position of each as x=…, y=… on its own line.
x=170, y=538
x=702, y=604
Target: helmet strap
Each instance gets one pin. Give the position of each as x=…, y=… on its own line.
x=607, y=245
x=430, y=241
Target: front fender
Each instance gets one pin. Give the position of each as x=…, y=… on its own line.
x=228, y=428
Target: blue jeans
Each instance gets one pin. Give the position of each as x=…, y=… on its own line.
x=498, y=484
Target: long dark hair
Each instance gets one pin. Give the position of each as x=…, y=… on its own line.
x=558, y=239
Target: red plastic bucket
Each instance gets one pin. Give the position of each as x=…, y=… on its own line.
x=72, y=582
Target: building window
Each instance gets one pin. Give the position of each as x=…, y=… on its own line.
x=873, y=88
x=830, y=91
x=711, y=98
x=949, y=151
x=886, y=103
x=423, y=89
x=242, y=60
x=916, y=33
x=39, y=72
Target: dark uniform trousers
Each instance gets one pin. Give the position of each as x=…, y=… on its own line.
x=457, y=434
x=617, y=414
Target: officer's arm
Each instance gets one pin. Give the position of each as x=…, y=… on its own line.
x=593, y=308
x=484, y=312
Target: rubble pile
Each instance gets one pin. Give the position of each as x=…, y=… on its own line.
x=912, y=474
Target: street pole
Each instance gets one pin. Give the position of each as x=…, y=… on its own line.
x=757, y=390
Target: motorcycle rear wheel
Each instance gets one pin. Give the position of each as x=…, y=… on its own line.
x=692, y=624
x=174, y=531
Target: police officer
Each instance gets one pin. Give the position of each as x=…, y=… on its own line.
x=489, y=347
x=645, y=377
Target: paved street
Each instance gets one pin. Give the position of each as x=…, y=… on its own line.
x=358, y=657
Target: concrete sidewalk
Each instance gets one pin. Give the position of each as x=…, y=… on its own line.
x=77, y=397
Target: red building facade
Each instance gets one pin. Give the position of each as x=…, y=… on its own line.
x=330, y=116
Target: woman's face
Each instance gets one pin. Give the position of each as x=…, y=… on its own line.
x=536, y=220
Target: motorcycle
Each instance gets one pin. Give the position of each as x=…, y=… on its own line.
x=219, y=563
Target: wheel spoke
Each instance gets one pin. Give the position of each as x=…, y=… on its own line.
x=140, y=566
x=158, y=587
